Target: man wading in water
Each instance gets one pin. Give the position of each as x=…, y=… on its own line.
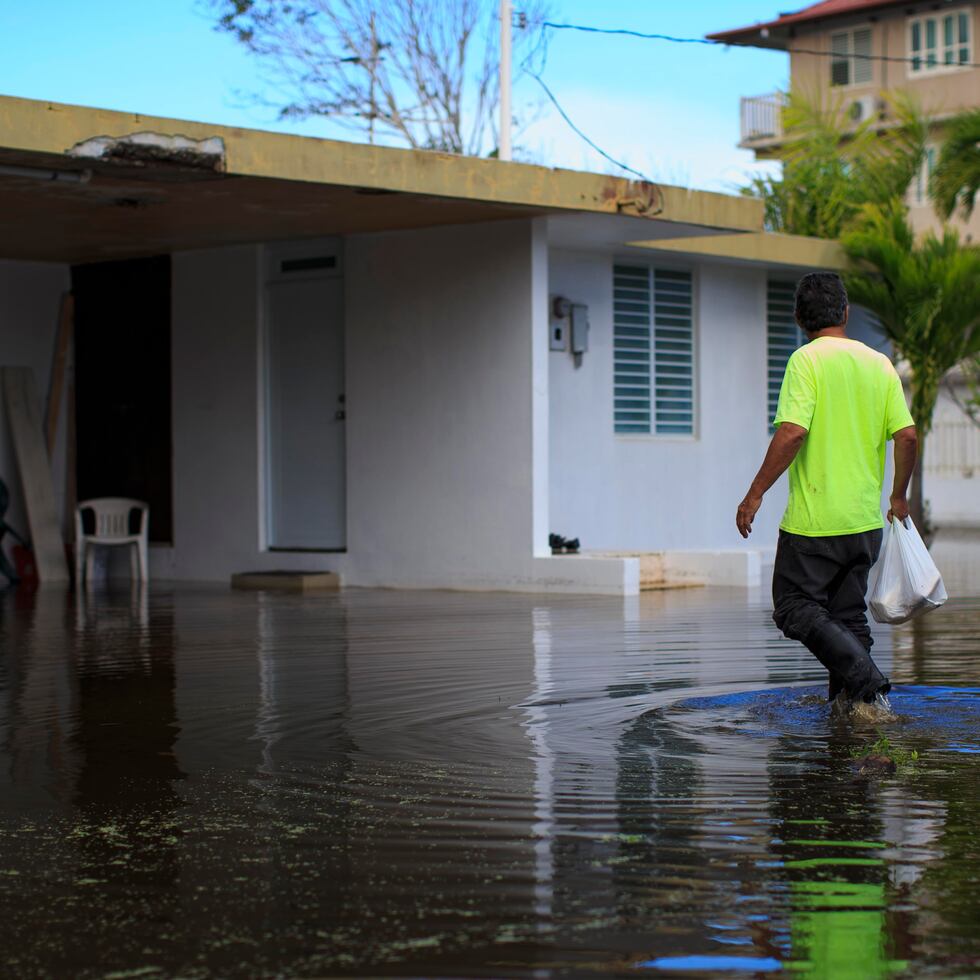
x=840, y=401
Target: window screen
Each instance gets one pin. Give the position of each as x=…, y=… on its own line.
x=840, y=62
x=862, y=55
x=653, y=345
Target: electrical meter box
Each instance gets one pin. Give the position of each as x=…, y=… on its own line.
x=580, y=328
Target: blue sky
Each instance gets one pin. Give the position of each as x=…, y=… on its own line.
x=670, y=111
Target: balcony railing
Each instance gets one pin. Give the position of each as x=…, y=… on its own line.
x=762, y=117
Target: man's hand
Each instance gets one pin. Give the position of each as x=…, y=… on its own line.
x=747, y=510
x=782, y=451
x=899, y=507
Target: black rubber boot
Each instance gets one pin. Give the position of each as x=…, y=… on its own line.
x=845, y=657
x=834, y=688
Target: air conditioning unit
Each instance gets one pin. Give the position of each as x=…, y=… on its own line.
x=861, y=109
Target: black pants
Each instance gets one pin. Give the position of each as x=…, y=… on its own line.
x=818, y=590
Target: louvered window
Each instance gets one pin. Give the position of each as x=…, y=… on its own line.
x=783, y=336
x=850, y=57
x=653, y=341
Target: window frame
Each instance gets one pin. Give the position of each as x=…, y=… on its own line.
x=771, y=407
x=850, y=58
x=920, y=189
x=940, y=67
x=653, y=267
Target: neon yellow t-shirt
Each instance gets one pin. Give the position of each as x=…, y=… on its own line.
x=850, y=400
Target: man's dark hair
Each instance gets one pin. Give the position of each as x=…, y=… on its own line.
x=821, y=301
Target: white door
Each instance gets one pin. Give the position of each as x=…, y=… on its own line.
x=307, y=479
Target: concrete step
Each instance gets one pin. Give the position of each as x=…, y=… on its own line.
x=287, y=581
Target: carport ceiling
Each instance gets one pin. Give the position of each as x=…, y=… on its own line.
x=124, y=212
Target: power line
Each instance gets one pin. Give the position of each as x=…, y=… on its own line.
x=626, y=32
x=595, y=146
x=711, y=42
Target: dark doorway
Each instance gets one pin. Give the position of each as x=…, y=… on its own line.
x=122, y=384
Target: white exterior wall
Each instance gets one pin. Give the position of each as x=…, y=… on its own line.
x=654, y=493
x=447, y=416
x=439, y=403
x=30, y=300
x=448, y=413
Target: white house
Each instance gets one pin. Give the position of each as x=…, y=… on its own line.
x=315, y=355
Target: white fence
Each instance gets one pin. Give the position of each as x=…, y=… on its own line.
x=953, y=449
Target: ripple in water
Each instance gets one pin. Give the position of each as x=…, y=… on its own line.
x=373, y=783
x=948, y=718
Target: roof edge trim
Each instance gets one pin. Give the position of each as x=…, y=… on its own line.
x=30, y=125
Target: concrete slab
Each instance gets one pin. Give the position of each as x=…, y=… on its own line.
x=740, y=567
x=680, y=569
x=287, y=581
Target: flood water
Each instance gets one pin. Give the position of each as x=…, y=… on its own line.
x=200, y=783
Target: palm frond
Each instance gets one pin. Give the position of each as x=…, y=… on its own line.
x=833, y=167
x=925, y=293
x=956, y=179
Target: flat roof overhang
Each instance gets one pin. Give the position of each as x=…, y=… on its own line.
x=260, y=186
x=758, y=248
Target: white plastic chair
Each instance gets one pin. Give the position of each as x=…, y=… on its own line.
x=111, y=530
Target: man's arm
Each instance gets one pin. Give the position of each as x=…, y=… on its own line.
x=906, y=450
x=782, y=451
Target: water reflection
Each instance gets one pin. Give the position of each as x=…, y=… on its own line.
x=125, y=720
x=38, y=700
x=831, y=835
x=200, y=783
x=542, y=831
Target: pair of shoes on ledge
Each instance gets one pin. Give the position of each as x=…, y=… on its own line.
x=563, y=546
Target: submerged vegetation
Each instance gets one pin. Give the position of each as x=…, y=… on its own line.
x=882, y=748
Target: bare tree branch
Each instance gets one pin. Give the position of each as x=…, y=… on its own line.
x=418, y=72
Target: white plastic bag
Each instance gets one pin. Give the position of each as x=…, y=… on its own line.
x=904, y=581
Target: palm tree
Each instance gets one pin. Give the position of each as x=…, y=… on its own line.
x=955, y=183
x=832, y=167
x=926, y=296
x=956, y=179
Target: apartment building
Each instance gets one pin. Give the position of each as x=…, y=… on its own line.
x=856, y=51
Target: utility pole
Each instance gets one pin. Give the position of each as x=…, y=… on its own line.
x=374, y=74
x=503, y=151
